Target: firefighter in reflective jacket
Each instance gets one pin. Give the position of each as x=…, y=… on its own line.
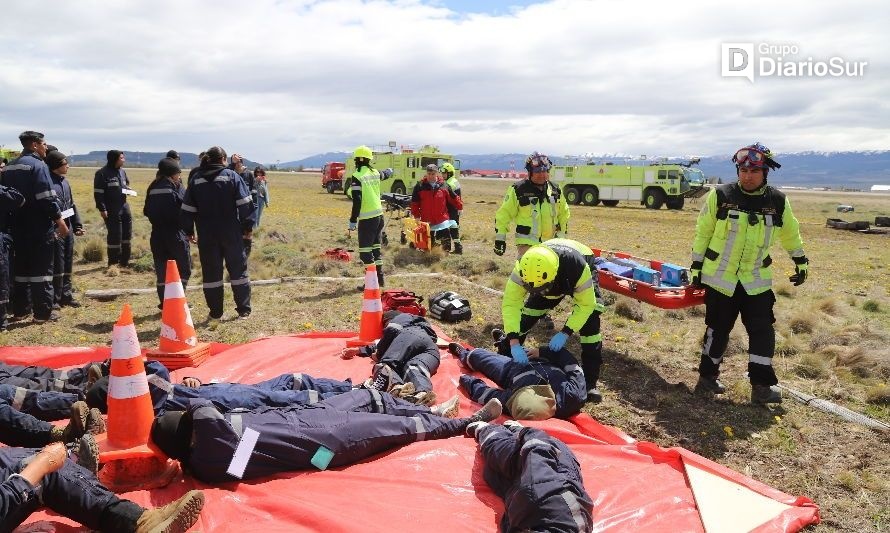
x=218, y=202
x=537, y=207
x=163, y=202
x=454, y=212
x=35, y=226
x=367, y=210
x=730, y=257
x=547, y=273
x=111, y=186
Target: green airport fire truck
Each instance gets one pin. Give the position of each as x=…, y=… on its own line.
x=408, y=165
x=651, y=185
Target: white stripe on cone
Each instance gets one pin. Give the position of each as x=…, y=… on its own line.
x=173, y=290
x=371, y=280
x=126, y=387
x=124, y=343
x=372, y=305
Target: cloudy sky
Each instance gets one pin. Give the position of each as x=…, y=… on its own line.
x=284, y=79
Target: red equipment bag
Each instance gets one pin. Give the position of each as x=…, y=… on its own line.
x=338, y=254
x=403, y=301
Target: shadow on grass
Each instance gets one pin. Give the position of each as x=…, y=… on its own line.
x=680, y=417
x=107, y=326
x=348, y=288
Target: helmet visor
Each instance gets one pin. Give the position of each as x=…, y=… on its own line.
x=749, y=157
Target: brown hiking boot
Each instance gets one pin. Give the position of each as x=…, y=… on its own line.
x=175, y=517
x=448, y=409
x=76, y=427
x=88, y=453
x=94, y=373
x=95, y=424
x=426, y=398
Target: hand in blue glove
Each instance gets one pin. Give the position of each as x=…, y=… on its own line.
x=352, y=226
x=518, y=353
x=558, y=341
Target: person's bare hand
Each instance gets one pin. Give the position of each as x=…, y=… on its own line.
x=348, y=353
x=192, y=383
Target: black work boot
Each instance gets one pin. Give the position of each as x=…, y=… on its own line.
x=708, y=385
x=458, y=248
x=764, y=394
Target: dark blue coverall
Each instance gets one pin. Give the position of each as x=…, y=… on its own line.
x=408, y=346
x=353, y=426
x=72, y=491
x=538, y=478
x=33, y=235
x=560, y=370
x=162, y=206
x=250, y=182
x=219, y=203
x=108, y=190
x=74, y=380
x=25, y=415
x=64, y=259
x=10, y=200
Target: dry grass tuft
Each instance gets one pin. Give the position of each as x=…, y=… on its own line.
x=829, y=306
x=878, y=394
x=783, y=289
x=813, y=366
x=789, y=346
x=92, y=251
x=630, y=309
x=409, y=256
x=871, y=306
x=803, y=322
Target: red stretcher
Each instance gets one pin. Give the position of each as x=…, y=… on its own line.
x=664, y=297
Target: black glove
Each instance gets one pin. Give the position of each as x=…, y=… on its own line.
x=801, y=266
x=695, y=274
x=500, y=247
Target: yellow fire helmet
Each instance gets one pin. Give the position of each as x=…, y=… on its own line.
x=447, y=168
x=363, y=152
x=538, y=266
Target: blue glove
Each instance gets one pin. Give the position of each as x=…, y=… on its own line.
x=352, y=226
x=558, y=341
x=518, y=353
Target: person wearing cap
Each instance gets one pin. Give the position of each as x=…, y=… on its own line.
x=449, y=174
x=543, y=276
x=10, y=200
x=537, y=476
x=173, y=154
x=218, y=202
x=237, y=165
x=363, y=186
x=431, y=200
x=338, y=431
x=730, y=258
x=535, y=205
x=163, y=202
x=33, y=478
x=406, y=354
x=262, y=193
x=111, y=186
x=550, y=384
x=35, y=227
x=64, y=258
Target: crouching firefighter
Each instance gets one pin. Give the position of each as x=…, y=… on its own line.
x=336, y=432
x=545, y=275
x=730, y=257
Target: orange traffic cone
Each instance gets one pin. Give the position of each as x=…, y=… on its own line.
x=178, y=346
x=371, y=327
x=129, y=461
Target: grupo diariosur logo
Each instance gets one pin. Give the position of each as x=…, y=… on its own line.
x=782, y=60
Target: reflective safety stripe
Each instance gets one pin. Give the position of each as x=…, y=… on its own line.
x=708, y=341
x=591, y=339
x=371, y=214
x=372, y=306
x=485, y=395
x=242, y=281
x=212, y=284
x=797, y=253
x=34, y=279
x=162, y=384
x=375, y=394
x=421, y=431
x=534, y=312
x=19, y=398
x=422, y=369
x=199, y=181
x=237, y=423
x=717, y=360
x=758, y=262
x=698, y=257
x=160, y=191
x=19, y=166
x=125, y=387
x=113, y=246
x=313, y=397
x=100, y=191
x=524, y=374
x=125, y=242
x=500, y=236
x=222, y=178
x=515, y=278
x=44, y=194
x=298, y=381
x=760, y=360
x=726, y=252
x=531, y=443
x=584, y=286
x=173, y=290
x=394, y=326
x=190, y=209
x=488, y=435
x=467, y=361
x=243, y=201
x=207, y=413
x=575, y=508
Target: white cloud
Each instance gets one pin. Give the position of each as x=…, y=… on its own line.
x=288, y=78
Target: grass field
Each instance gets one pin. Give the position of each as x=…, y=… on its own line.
x=833, y=332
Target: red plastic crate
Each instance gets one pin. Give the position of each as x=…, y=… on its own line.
x=662, y=297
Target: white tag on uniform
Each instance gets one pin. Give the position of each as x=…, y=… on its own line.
x=68, y=213
x=243, y=453
x=129, y=192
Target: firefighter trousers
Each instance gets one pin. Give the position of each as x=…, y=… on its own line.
x=213, y=249
x=120, y=232
x=369, y=235
x=33, y=276
x=62, y=266
x=41, y=405
x=721, y=312
x=173, y=245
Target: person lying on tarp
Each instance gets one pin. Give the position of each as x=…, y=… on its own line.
x=549, y=384
x=74, y=380
x=406, y=356
x=280, y=391
x=537, y=476
x=23, y=419
x=338, y=431
x=35, y=478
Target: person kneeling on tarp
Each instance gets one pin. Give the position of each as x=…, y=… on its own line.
x=34, y=478
x=339, y=431
x=407, y=357
x=281, y=391
x=538, y=477
x=549, y=384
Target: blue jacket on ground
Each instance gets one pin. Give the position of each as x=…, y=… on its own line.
x=538, y=478
x=408, y=345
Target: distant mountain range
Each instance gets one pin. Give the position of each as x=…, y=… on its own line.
x=813, y=169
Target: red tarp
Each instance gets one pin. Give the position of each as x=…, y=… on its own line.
x=427, y=486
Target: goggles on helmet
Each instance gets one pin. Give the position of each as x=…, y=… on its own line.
x=749, y=157
x=539, y=163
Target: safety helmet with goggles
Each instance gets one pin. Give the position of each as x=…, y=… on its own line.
x=537, y=162
x=363, y=152
x=537, y=268
x=756, y=156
